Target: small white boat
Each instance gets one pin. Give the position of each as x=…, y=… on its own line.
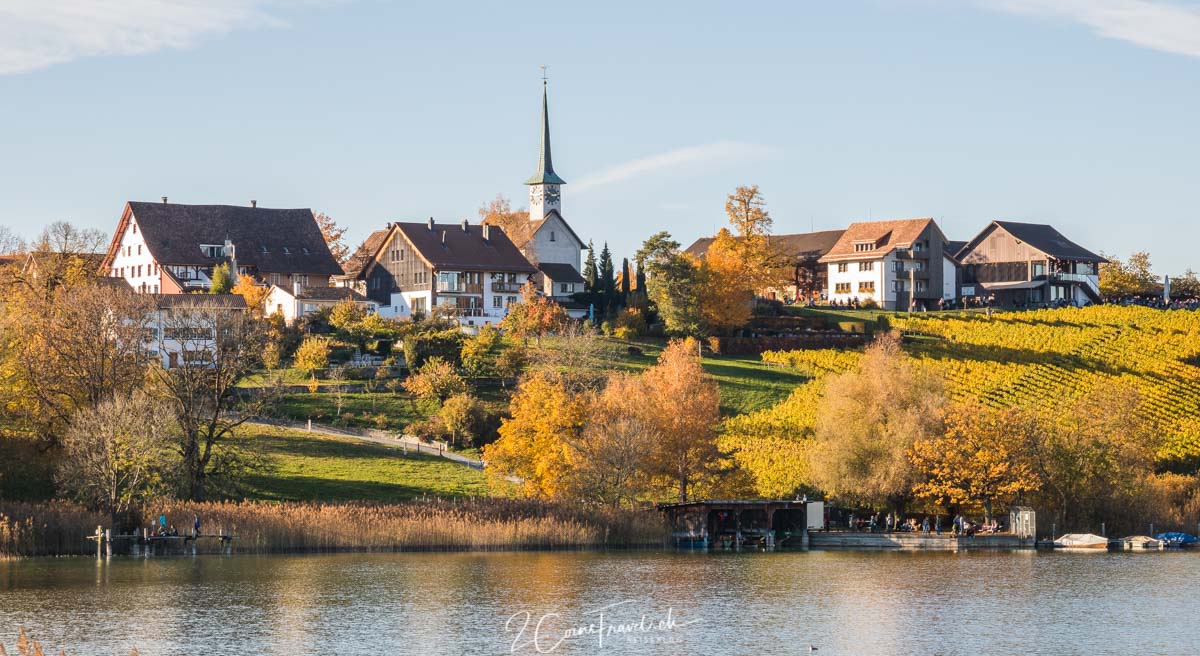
x=1081, y=542
x=1140, y=543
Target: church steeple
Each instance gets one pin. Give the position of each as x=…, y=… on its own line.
x=545, y=171
x=544, y=183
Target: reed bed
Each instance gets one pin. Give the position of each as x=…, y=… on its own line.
x=46, y=529
x=482, y=524
x=28, y=647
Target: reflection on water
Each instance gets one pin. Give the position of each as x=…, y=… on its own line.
x=841, y=602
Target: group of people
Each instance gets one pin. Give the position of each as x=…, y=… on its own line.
x=1157, y=302
x=163, y=530
x=893, y=523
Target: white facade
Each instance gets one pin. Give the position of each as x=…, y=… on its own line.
x=500, y=290
x=134, y=263
x=884, y=280
x=949, y=279
x=554, y=242
x=863, y=279
x=291, y=305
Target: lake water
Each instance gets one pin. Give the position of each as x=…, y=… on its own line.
x=659, y=603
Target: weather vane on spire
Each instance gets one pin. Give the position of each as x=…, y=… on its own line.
x=543, y=67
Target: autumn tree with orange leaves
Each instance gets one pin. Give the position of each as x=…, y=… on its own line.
x=535, y=316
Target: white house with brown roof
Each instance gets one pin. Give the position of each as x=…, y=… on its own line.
x=900, y=265
x=170, y=248
x=182, y=329
x=299, y=302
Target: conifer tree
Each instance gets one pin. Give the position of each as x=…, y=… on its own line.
x=589, y=270
x=606, y=282
x=641, y=277
x=624, y=279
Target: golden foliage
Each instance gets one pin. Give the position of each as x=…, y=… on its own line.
x=981, y=458
x=533, y=442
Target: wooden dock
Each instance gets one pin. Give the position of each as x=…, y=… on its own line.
x=150, y=544
x=912, y=541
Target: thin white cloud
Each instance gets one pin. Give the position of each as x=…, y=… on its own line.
x=39, y=33
x=721, y=151
x=1156, y=24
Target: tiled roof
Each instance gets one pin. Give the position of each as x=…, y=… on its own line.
x=449, y=246
x=560, y=272
x=797, y=245
x=883, y=236
x=361, y=260
x=270, y=240
x=330, y=294
x=1049, y=241
x=209, y=301
x=954, y=247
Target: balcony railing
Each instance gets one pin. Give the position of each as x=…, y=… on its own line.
x=461, y=288
x=507, y=287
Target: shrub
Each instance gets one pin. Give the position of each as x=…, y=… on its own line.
x=606, y=327
x=632, y=320
x=313, y=354
x=625, y=332
x=445, y=344
x=869, y=304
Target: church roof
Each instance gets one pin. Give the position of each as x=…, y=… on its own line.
x=545, y=171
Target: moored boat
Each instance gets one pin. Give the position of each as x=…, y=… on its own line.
x=1176, y=540
x=1137, y=543
x=1081, y=542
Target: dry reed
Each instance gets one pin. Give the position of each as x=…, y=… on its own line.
x=61, y=528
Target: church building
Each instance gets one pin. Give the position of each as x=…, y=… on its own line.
x=548, y=241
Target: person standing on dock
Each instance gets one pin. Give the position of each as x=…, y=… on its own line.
x=196, y=527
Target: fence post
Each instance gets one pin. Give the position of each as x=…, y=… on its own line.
x=108, y=542
x=99, y=541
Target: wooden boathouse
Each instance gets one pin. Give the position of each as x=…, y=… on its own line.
x=733, y=524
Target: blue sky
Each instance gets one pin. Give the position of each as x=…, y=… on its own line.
x=1078, y=113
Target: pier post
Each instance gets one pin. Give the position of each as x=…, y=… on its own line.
x=99, y=541
x=108, y=542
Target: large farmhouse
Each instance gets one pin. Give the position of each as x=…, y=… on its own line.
x=900, y=265
x=1024, y=264
x=471, y=271
x=169, y=248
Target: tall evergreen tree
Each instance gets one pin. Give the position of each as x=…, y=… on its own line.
x=624, y=279
x=589, y=270
x=641, y=277
x=607, y=284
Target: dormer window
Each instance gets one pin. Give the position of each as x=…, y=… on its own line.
x=304, y=250
x=287, y=251
x=863, y=246
x=262, y=249
x=212, y=250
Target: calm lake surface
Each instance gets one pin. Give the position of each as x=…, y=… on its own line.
x=655, y=603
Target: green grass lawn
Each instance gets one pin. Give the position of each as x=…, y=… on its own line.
x=746, y=383
x=397, y=410
x=306, y=467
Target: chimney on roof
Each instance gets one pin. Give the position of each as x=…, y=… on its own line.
x=443, y=238
x=164, y=200
x=253, y=203
x=486, y=232
x=464, y=225
x=431, y=224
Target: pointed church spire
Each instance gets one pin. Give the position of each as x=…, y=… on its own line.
x=545, y=171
